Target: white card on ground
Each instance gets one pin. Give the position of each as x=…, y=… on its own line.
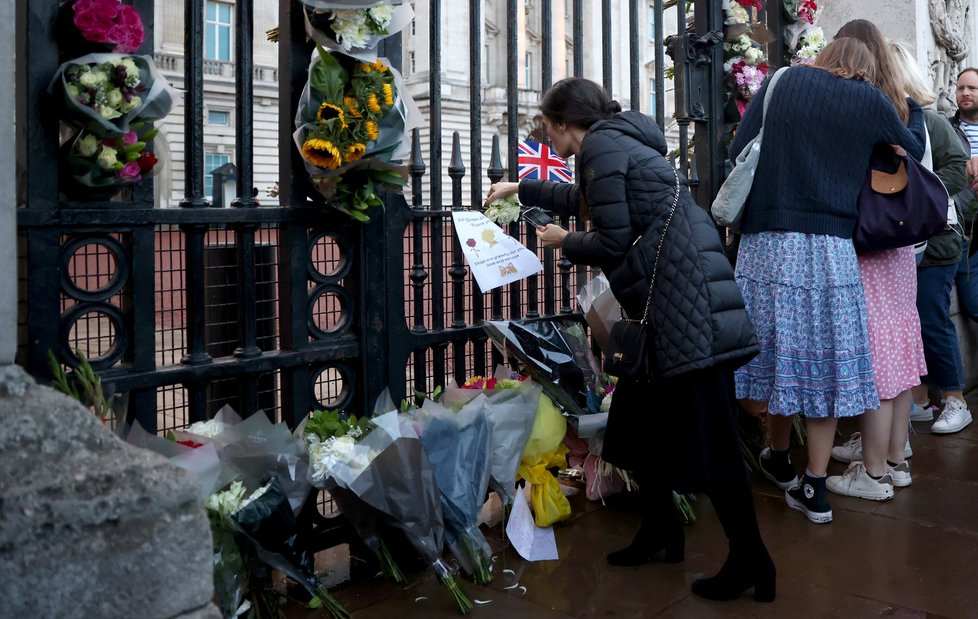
x=495, y=258
x=533, y=543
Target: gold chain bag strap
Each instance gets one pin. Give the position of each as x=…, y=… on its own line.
x=630, y=353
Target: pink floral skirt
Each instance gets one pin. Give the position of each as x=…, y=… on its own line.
x=890, y=282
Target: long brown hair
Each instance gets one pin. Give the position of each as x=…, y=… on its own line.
x=847, y=58
x=887, y=70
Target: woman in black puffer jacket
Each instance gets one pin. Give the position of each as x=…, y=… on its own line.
x=676, y=430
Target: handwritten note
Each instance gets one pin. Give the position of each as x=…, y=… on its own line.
x=495, y=258
x=532, y=542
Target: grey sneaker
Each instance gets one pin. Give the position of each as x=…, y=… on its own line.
x=921, y=413
x=856, y=482
x=900, y=474
x=954, y=417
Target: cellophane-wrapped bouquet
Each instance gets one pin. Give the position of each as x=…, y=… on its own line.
x=388, y=470
x=458, y=446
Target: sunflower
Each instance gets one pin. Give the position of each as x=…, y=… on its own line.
x=365, y=67
x=322, y=153
x=371, y=129
x=378, y=66
x=328, y=111
x=352, y=107
x=355, y=151
x=388, y=95
x=372, y=104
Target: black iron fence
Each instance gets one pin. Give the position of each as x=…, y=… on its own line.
x=290, y=307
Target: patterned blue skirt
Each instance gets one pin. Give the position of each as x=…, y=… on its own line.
x=804, y=295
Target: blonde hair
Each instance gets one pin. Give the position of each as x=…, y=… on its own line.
x=847, y=58
x=913, y=81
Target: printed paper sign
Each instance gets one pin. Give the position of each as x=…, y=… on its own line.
x=495, y=258
x=532, y=542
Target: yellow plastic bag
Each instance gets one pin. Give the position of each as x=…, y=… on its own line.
x=545, y=450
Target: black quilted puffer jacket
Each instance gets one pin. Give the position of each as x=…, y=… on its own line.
x=697, y=315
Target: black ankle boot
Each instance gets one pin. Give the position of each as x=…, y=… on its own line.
x=646, y=546
x=737, y=575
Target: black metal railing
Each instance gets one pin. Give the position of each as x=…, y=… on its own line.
x=353, y=308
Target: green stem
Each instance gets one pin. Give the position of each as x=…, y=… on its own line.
x=387, y=563
x=330, y=604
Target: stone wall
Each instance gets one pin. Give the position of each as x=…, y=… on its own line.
x=90, y=526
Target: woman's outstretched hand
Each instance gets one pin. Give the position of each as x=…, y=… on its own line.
x=551, y=236
x=499, y=191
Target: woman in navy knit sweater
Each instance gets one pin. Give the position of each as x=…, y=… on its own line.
x=796, y=264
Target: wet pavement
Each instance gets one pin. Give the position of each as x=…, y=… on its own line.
x=914, y=556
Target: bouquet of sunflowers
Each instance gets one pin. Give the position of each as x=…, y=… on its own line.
x=350, y=124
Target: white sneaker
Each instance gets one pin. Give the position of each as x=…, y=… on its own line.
x=850, y=451
x=954, y=417
x=900, y=474
x=921, y=413
x=856, y=482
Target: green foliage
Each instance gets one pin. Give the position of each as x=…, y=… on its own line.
x=330, y=424
x=83, y=384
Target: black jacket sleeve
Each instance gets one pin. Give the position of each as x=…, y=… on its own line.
x=605, y=168
x=559, y=198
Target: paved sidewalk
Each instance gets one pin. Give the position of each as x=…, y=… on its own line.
x=914, y=556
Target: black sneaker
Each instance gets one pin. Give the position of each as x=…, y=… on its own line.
x=810, y=498
x=781, y=474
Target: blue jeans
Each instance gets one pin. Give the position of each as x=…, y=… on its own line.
x=945, y=371
x=966, y=280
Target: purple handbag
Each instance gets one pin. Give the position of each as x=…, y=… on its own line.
x=901, y=203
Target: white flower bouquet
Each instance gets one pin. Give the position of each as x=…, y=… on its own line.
x=103, y=93
x=398, y=481
x=355, y=30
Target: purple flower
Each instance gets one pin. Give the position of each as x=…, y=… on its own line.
x=130, y=172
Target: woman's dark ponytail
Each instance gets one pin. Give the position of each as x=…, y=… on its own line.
x=578, y=102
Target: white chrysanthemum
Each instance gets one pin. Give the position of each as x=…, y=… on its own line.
x=325, y=456
x=350, y=27
x=753, y=56
x=382, y=15
x=807, y=52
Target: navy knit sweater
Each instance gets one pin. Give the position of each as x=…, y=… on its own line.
x=818, y=137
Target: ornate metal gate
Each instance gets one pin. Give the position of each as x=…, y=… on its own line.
x=291, y=307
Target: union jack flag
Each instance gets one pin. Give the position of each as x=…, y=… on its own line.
x=537, y=160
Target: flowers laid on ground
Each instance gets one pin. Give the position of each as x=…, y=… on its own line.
x=458, y=446
x=350, y=122
x=331, y=439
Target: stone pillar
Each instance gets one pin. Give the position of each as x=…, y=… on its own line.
x=91, y=526
x=8, y=188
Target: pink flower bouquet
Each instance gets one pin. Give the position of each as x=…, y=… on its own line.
x=86, y=26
